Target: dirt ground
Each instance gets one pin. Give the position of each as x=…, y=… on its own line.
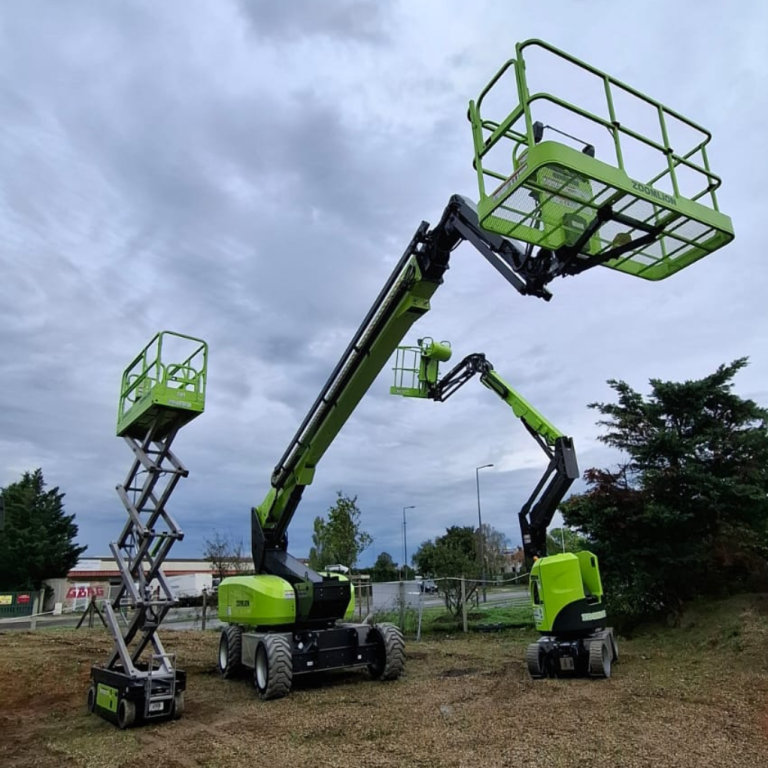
x=695, y=696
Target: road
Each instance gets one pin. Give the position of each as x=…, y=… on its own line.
x=495, y=597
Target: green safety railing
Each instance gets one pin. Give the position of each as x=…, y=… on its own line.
x=416, y=368
x=152, y=385
x=549, y=194
x=407, y=370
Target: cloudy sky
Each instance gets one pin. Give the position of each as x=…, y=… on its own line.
x=249, y=172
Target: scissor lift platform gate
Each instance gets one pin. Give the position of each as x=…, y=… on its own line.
x=140, y=681
x=588, y=208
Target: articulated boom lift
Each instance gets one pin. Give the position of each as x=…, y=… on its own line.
x=573, y=212
x=566, y=591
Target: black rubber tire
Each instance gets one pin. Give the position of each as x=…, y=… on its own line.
x=535, y=661
x=600, y=658
x=273, y=667
x=230, y=661
x=390, y=662
x=91, y=698
x=614, y=648
x=126, y=714
x=178, y=705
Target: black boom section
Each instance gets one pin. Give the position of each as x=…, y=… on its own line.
x=538, y=511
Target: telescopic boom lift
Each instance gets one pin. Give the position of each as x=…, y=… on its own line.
x=288, y=619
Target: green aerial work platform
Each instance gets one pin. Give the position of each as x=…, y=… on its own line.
x=160, y=394
x=581, y=199
x=162, y=390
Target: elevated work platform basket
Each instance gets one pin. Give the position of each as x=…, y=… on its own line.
x=620, y=180
x=164, y=385
x=417, y=368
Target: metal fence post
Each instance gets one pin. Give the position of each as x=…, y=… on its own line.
x=35, y=611
x=464, y=603
x=402, y=606
x=421, y=612
x=205, y=608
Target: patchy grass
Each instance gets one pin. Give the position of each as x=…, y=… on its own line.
x=693, y=696
x=435, y=620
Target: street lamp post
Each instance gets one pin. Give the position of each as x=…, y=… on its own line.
x=480, y=523
x=405, y=544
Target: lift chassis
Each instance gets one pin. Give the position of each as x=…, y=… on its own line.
x=589, y=656
x=275, y=658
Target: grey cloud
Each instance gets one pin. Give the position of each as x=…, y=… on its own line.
x=160, y=168
x=356, y=20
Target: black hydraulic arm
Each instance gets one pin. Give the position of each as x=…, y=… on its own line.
x=537, y=512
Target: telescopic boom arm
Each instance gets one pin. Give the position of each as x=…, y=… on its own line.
x=402, y=301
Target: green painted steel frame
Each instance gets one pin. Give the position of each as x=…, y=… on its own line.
x=151, y=383
x=534, y=165
x=416, y=368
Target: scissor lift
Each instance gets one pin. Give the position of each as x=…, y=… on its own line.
x=140, y=681
x=580, y=196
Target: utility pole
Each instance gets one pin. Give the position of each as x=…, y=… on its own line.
x=405, y=544
x=480, y=523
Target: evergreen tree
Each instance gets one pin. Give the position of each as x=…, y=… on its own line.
x=37, y=541
x=384, y=569
x=687, y=514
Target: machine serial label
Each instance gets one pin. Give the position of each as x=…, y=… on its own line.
x=242, y=603
x=593, y=616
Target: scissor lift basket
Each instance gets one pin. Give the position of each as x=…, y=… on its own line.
x=157, y=393
x=569, y=201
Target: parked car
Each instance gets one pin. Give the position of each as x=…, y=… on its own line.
x=428, y=587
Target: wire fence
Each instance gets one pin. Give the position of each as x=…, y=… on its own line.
x=417, y=607
x=445, y=605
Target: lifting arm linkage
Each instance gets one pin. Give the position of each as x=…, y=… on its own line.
x=402, y=301
x=537, y=512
